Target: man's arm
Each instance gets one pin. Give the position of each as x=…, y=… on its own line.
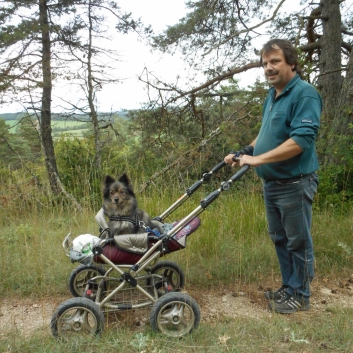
x=286, y=150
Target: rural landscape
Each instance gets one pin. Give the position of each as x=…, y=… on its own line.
x=53, y=163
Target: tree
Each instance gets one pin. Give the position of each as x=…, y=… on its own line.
x=216, y=34
x=94, y=62
x=39, y=49
x=27, y=65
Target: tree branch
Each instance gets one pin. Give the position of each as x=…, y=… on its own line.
x=246, y=29
x=209, y=83
x=203, y=143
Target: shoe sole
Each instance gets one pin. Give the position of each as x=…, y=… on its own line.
x=289, y=311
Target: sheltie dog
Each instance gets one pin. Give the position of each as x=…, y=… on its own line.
x=120, y=206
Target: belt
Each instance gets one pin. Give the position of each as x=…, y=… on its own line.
x=288, y=180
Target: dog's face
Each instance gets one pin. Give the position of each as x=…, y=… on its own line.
x=118, y=195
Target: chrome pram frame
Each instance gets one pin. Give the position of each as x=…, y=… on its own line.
x=173, y=313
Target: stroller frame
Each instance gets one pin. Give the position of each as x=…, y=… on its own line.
x=173, y=313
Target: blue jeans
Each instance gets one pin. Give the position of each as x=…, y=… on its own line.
x=289, y=214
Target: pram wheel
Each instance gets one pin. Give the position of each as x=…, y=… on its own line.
x=77, y=316
x=175, y=314
x=172, y=277
x=79, y=277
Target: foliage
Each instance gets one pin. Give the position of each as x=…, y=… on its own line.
x=28, y=131
x=209, y=23
x=196, y=134
x=169, y=133
x=20, y=146
x=336, y=185
x=75, y=159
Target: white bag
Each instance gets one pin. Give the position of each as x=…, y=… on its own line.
x=84, y=243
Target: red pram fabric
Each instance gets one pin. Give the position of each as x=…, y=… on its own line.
x=122, y=257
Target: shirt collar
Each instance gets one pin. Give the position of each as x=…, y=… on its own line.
x=287, y=87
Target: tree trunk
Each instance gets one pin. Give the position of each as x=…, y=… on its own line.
x=330, y=80
x=341, y=130
x=93, y=112
x=45, y=118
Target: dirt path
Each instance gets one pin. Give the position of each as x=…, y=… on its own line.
x=24, y=316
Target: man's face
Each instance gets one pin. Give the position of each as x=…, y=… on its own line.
x=278, y=73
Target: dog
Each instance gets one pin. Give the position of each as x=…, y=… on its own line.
x=120, y=206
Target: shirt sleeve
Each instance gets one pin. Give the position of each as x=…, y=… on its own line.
x=306, y=121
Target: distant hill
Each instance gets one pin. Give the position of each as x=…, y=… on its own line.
x=58, y=117
x=11, y=116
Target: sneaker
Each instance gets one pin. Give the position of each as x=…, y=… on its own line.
x=276, y=294
x=289, y=304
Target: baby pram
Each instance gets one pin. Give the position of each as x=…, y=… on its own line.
x=133, y=276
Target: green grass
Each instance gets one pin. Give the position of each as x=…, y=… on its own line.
x=73, y=133
x=67, y=126
x=231, y=244
x=230, y=249
x=275, y=334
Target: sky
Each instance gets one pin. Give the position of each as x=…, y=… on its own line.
x=130, y=93
x=136, y=55
x=159, y=14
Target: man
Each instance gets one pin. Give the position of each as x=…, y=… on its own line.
x=284, y=156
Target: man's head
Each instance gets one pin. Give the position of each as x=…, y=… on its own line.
x=279, y=60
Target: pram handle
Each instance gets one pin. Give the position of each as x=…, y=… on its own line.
x=218, y=167
x=208, y=200
x=205, y=177
x=224, y=187
x=240, y=173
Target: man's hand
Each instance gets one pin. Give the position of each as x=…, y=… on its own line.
x=250, y=160
x=229, y=160
x=242, y=159
x=234, y=157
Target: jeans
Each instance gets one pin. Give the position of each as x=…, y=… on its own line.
x=289, y=214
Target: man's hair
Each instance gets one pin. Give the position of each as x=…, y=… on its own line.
x=290, y=53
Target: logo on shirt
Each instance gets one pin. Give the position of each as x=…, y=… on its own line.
x=307, y=121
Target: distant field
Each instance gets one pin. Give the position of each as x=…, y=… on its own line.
x=76, y=133
x=66, y=126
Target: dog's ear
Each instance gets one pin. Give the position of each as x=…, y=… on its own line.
x=125, y=180
x=108, y=180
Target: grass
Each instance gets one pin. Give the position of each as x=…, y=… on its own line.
x=67, y=126
x=230, y=248
x=277, y=334
x=73, y=133
x=231, y=244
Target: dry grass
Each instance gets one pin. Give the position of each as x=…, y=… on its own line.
x=228, y=255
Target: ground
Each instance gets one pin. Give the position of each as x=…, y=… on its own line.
x=27, y=315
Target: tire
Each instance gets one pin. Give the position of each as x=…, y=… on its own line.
x=77, y=316
x=80, y=276
x=172, y=276
x=175, y=314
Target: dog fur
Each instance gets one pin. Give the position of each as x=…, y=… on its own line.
x=119, y=201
